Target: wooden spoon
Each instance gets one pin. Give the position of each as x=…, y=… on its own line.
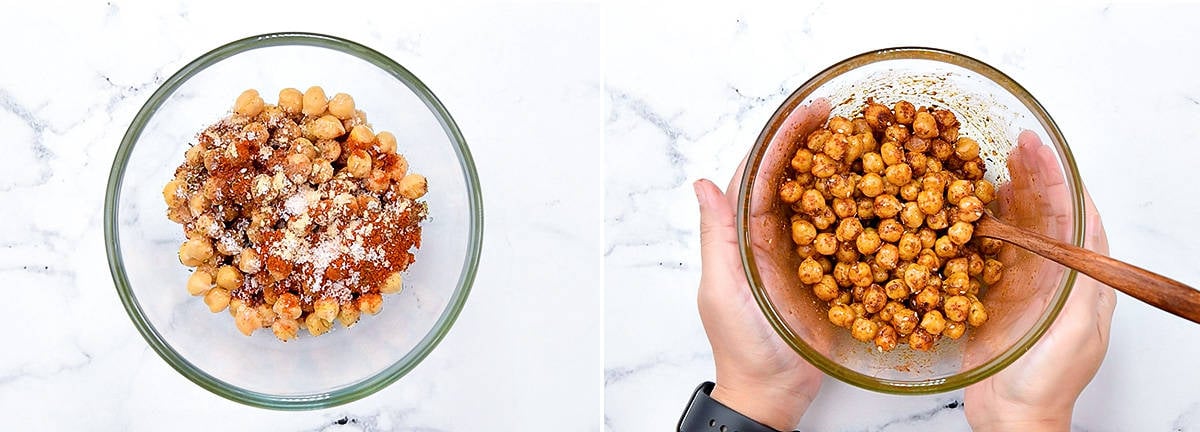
x=1157, y=290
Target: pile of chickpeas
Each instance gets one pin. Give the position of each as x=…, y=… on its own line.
x=883, y=212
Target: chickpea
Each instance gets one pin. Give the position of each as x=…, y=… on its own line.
x=825, y=244
x=992, y=271
x=933, y=165
x=905, y=321
x=928, y=237
x=960, y=232
x=217, y=299
x=949, y=134
x=305, y=147
x=890, y=230
x=911, y=215
x=325, y=127
x=866, y=208
x=845, y=207
x=872, y=163
x=297, y=167
x=933, y=322
x=977, y=315
x=806, y=251
x=816, y=139
x=990, y=246
x=348, y=316
x=898, y=174
x=413, y=186
x=358, y=164
x=916, y=276
x=199, y=282
x=859, y=145
x=811, y=201
x=871, y=185
x=905, y=112
x=954, y=330
x=929, y=259
x=330, y=149
x=958, y=190
x=809, y=271
x=891, y=153
x=860, y=275
x=341, y=106
x=956, y=265
x=878, y=116
x=842, y=186
x=803, y=232
x=824, y=166
x=229, y=277
x=861, y=126
x=917, y=163
x=887, y=206
x=937, y=221
x=941, y=149
x=985, y=191
x=285, y=329
x=826, y=289
x=896, y=290
x=909, y=246
x=966, y=149
x=930, y=201
x=927, y=299
x=195, y=251
x=840, y=125
x=849, y=229
x=802, y=161
x=886, y=337
x=896, y=132
x=248, y=104
x=879, y=274
x=864, y=329
x=835, y=147
x=173, y=193
x=317, y=326
x=841, y=315
x=944, y=248
x=924, y=125
x=291, y=100
x=887, y=256
x=314, y=102
x=847, y=253
x=868, y=242
x=322, y=171
x=287, y=305
x=970, y=209
x=325, y=309
x=973, y=170
x=957, y=307
x=921, y=340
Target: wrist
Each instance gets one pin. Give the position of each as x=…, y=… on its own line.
x=1038, y=425
x=1001, y=419
x=781, y=409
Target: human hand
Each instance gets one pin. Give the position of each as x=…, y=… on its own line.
x=1038, y=391
x=758, y=375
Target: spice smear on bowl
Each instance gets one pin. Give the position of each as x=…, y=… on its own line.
x=883, y=208
x=297, y=214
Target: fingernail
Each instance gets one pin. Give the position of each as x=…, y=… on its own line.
x=701, y=191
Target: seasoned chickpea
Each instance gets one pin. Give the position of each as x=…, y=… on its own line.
x=970, y=209
x=916, y=276
x=957, y=308
x=887, y=206
x=326, y=309
x=891, y=153
x=229, y=277
x=841, y=125
x=803, y=232
x=316, y=325
x=412, y=186
x=806, y=251
x=866, y=208
x=845, y=207
x=899, y=174
x=860, y=275
x=322, y=171
x=812, y=201
x=861, y=126
x=927, y=236
x=905, y=112
x=896, y=289
x=358, y=164
x=864, y=329
x=199, y=282
x=330, y=150
x=802, y=161
x=847, y=253
x=858, y=145
x=985, y=191
x=921, y=340
x=977, y=315
x=872, y=163
x=824, y=166
x=917, y=162
x=975, y=264
x=810, y=271
x=287, y=305
x=966, y=149
x=992, y=271
x=841, y=315
x=929, y=259
x=973, y=170
x=842, y=186
x=887, y=256
x=816, y=140
x=874, y=298
x=217, y=299
x=924, y=125
x=291, y=100
x=826, y=289
x=825, y=244
x=877, y=115
x=247, y=321
x=285, y=328
x=938, y=221
x=990, y=246
x=868, y=242
x=927, y=299
x=911, y=215
x=195, y=251
x=249, y=103
x=956, y=265
x=314, y=102
x=933, y=322
x=909, y=246
x=305, y=147
x=341, y=106
x=954, y=330
x=960, y=232
x=944, y=248
x=886, y=338
x=835, y=147
x=871, y=185
x=849, y=229
x=297, y=167
x=905, y=321
x=174, y=193
x=393, y=284
x=790, y=191
x=958, y=190
x=930, y=201
x=890, y=230
x=326, y=127
x=896, y=132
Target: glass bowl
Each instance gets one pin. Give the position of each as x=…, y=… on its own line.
x=308, y=372
x=994, y=109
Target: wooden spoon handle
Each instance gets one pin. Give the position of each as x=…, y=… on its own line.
x=1157, y=290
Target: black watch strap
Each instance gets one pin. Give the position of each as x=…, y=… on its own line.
x=705, y=414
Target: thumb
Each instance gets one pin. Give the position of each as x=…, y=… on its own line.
x=717, y=234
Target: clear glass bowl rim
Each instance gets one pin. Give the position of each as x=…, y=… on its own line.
x=351, y=392
x=761, y=296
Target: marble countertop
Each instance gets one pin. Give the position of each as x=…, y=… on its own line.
x=521, y=81
x=688, y=94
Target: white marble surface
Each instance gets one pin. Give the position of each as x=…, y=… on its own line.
x=688, y=92
x=525, y=85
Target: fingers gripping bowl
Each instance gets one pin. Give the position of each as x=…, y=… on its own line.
x=994, y=110
x=308, y=372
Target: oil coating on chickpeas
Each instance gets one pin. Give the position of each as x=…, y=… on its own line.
x=884, y=207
